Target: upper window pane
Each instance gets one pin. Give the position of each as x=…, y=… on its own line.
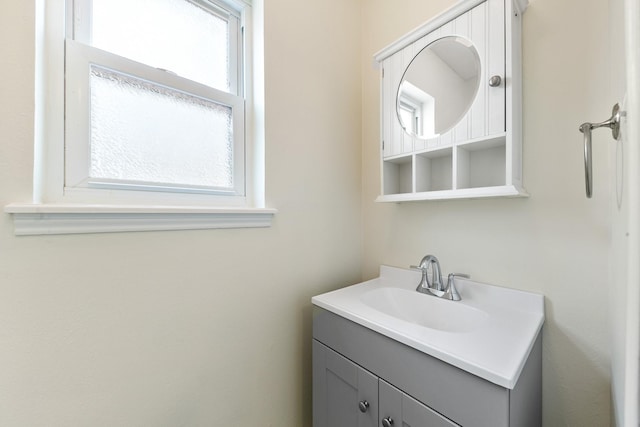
x=177, y=35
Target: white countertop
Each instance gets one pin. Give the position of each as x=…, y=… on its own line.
x=495, y=348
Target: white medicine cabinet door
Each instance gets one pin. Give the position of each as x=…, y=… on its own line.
x=478, y=154
x=486, y=114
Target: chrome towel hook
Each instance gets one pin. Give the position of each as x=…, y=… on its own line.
x=614, y=124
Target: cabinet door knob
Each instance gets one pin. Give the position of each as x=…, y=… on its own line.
x=495, y=81
x=387, y=422
x=363, y=405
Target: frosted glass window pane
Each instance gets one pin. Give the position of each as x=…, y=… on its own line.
x=144, y=132
x=175, y=35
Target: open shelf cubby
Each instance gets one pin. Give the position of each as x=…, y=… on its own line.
x=481, y=164
x=471, y=169
x=434, y=170
x=398, y=175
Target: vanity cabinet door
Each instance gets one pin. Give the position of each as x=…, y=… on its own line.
x=401, y=410
x=344, y=394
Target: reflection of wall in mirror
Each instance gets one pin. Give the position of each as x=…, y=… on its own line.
x=452, y=93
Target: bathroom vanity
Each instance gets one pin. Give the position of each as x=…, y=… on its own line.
x=450, y=124
x=386, y=355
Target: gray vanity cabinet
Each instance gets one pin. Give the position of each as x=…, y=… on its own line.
x=354, y=364
x=344, y=394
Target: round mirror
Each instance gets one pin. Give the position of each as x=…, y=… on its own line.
x=438, y=87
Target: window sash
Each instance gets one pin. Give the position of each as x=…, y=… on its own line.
x=79, y=57
x=79, y=14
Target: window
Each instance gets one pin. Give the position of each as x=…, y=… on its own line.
x=145, y=116
x=154, y=97
x=416, y=109
x=409, y=117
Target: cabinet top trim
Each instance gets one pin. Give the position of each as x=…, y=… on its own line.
x=436, y=22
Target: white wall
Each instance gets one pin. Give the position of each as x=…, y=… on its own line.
x=188, y=328
x=554, y=242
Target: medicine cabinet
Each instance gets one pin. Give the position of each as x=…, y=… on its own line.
x=451, y=105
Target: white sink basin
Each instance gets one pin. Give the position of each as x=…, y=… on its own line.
x=425, y=310
x=489, y=333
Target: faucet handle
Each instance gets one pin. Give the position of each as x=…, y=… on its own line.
x=424, y=281
x=451, y=292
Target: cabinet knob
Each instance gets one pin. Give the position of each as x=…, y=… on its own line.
x=364, y=406
x=387, y=422
x=495, y=81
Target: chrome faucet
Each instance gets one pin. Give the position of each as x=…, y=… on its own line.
x=429, y=282
x=432, y=284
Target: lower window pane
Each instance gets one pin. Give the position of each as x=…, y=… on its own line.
x=143, y=132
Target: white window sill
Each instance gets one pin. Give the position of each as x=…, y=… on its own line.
x=38, y=219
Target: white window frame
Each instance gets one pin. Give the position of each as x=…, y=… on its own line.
x=80, y=56
x=87, y=208
x=404, y=104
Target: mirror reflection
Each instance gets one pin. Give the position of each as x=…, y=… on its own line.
x=438, y=87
